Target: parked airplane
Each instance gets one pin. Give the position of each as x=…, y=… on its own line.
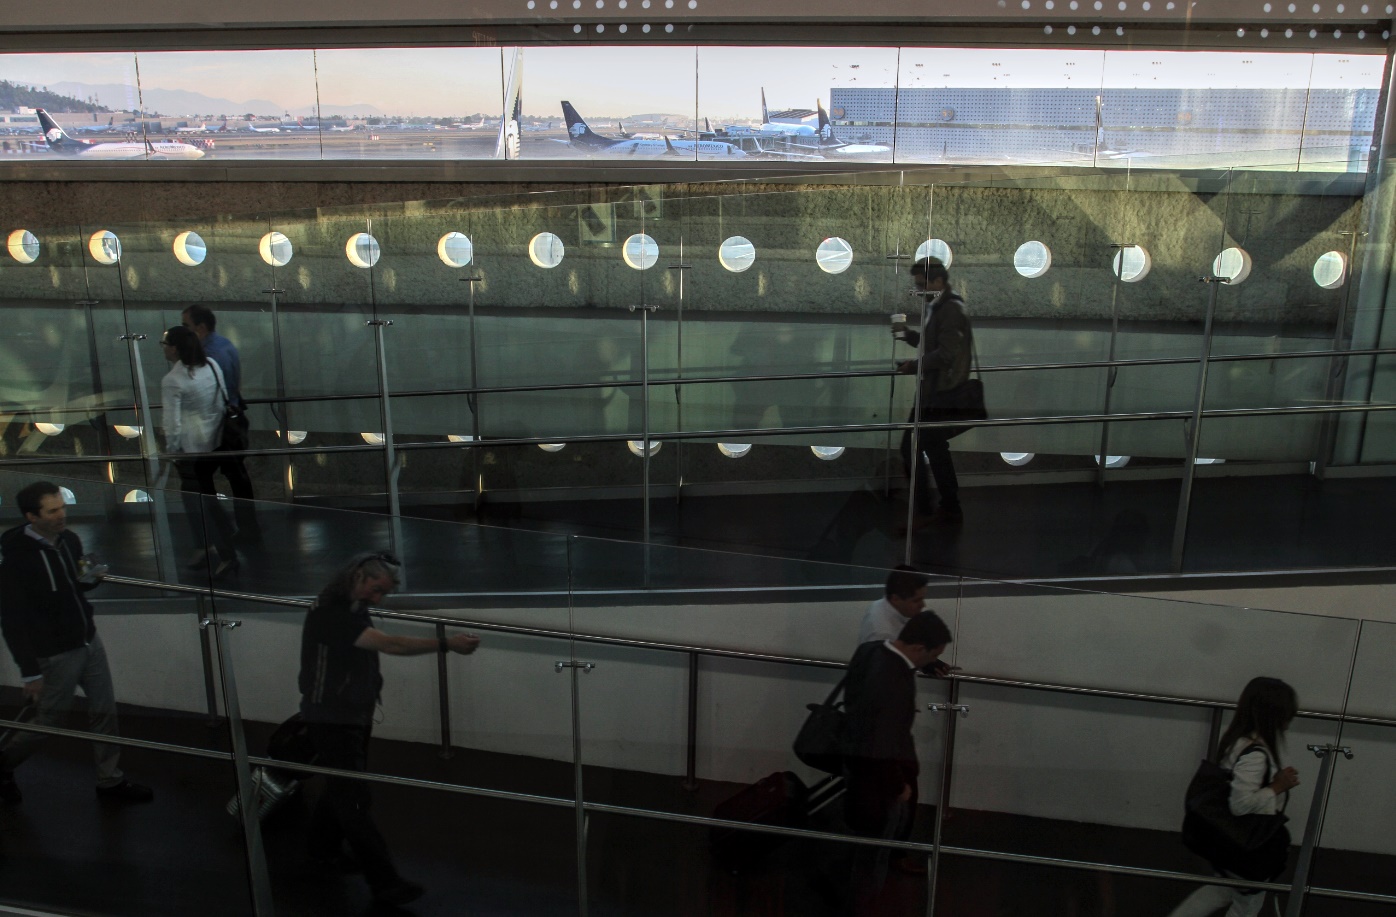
x=262, y=130
x=828, y=143
x=509, y=144
x=192, y=130
x=582, y=137
x=98, y=128
x=62, y=144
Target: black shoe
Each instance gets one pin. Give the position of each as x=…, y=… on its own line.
x=227, y=565
x=125, y=791
x=9, y=790
x=398, y=893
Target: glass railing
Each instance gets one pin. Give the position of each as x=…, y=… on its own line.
x=624, y=695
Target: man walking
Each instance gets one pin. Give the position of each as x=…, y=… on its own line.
x=48, y=625
x=339, y=684
x=201, y=320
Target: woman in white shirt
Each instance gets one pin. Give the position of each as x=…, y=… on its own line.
x=192, y=397
x=1250, y=749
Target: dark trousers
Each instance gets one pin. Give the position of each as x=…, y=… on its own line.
x=207, y=520
x=871, y=812
x=934, y=445
x=341, y=814
x=240, y=483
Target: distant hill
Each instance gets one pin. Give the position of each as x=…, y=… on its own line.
x=14, y=95
x=184, y=102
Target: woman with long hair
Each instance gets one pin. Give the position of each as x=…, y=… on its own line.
x=1250, y=749
x=192, y=397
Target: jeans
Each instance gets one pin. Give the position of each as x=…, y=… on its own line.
x=341, y=814
x=209, y=524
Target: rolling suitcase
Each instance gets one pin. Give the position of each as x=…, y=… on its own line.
x=781, y=799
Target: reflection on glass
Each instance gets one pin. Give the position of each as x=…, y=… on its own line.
x=362, y=250
x=189, y=248
x=1233, y=264
x=1132, y=263
x=640, y=252
x=459, y=438
x=1330, y=270
x=374, y=439
x=136, y=496
x=68, y=496
x=1032, y=259
x=24, y=246
x=1114, y=461
x=545, y=250
x=49, y=429
x=834, y=256
x=736, y=254
x=936, y=248
x=294, y=437
x=552, y=447
x=275, y=249
x=127, y=431
x=637, y=447
x=1017, y=459
x=734, y=450
x=455, y=249
x=104, y=247
x=827, y=453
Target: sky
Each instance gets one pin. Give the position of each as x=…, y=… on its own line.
x=606, y=81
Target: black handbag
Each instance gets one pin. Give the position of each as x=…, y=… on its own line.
x=234, y=434
x=960, y=407
x=1249, y=846
x=820, y=742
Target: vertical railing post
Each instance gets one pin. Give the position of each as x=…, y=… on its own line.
x=645, y=434
x=678, y=444
x=915, y=453
x=473, y=399
x=206, y=651
x=1194, y=430
x=443, y=694
x=165, y=565
x=280, y=411
x=1299, y=887
x=391, y=467
x=690, y=781
x=1113, y=371
x=1337, y=369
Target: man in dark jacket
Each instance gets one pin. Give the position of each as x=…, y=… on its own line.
x=47, y=623
x=881, y=705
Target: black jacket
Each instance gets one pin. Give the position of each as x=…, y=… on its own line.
x=43, y=611
x=881, y=705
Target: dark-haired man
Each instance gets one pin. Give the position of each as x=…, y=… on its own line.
x=202, y=321
x=944, y=365
x=881, y=704
x=48, y=625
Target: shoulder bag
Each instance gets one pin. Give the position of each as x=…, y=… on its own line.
x=234, y=433
x=820, y=740
x=1250, y=846
x=961, y=406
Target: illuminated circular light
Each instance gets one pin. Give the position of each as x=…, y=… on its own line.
x=1017, y=459
x=275, y=249
x=669, y=27
x=1114, y=461
x=637, y=447
x=1032, y=259
x=24, y=246
x=49, y=429
x=294, y=437
x=374, y=439
x=104, y=247
x=1331, y=270
x=640, y=251
x=455, y=249
x=459, y=438
x=1289, y=33
x=734, y=450
x=834, y=256
x=136, y=496
x=1095, y=30
x=826, y=453
x=1132, y=264
x=576, y=29
x=552, y=447
x=623, y=28
x=362, y=250
x=189, y=249
x=1071, y=30
x=1233, y=264
x=935, y=248
x=127, y=431
x=545, y=250
x=69, y=497
x=1203, y=461
x=736, y=254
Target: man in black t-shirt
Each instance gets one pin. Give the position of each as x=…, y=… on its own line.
x=339, y=684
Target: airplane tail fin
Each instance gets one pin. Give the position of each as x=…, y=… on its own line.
x=669, y=149
x=826, y=130
x=577, y=129
x=765, y=116
x=57, y=139
x=511, y=125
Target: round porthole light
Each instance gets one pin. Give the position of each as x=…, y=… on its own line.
x=362, y=250
x=545, y=250
x=455, y=249
x=294, y=437
x=1032, y=259
x=637, y=447
x=1331, y=270
x=834, y=256
x=69, y=497
x=736, y=254
x=640, y=252
x=104, y=247
x=1233, y=264
x=189, y=248
x=1132, y=263
x=275, y=249
x=459, y=438
x=552, y=447
x=136, y=496
x=1017, y=459
x=127, y=431
x=1114, y=461
x=827, y=453
x=49, y=429
x=24, y=246
x=374, y=439
x=935, y=248
x=734, y=450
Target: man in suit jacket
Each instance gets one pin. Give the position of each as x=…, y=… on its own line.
x=881, y=705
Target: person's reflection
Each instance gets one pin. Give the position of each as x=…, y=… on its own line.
x=1119, y=553
x=763, y=348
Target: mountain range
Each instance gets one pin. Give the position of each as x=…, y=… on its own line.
x=186, y=102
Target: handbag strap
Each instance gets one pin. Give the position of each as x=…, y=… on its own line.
x=1256, y=746
x=829, y=701
x=218, y=381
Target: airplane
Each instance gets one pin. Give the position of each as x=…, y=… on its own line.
x=582, y=137
x=98, y=128
x=61, y=143
x=262, y=130
x=509, y=144
x=828, y=143
x=342, y=128
x=192, y=130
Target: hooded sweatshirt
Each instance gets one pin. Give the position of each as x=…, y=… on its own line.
x=43, y=609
